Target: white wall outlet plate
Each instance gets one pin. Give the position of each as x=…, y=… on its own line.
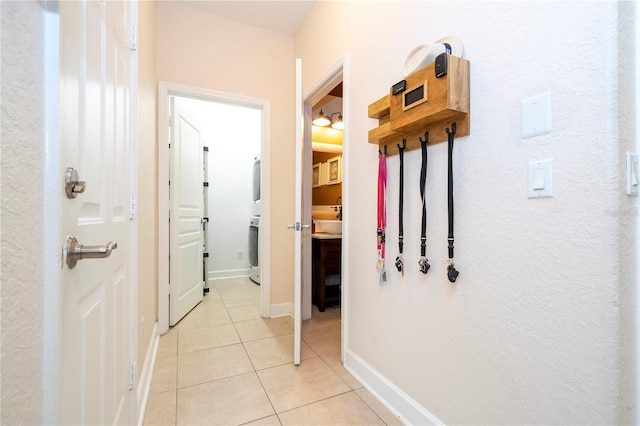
x=541, y=179
x=535, y=115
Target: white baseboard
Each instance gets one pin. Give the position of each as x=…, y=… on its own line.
x=281, y=310
x=144, y=385
x=231, y=273
x=398, y=402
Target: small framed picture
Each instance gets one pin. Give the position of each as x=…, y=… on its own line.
x=335, y=170
x=315, y=175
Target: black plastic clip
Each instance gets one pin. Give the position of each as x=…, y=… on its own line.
x=452, y=273
x=424, y=265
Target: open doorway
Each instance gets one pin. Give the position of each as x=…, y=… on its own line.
x=326, y=202
x=232, y=249
x=329, y=205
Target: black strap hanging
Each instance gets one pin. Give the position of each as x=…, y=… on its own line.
x=452, y=273
x=423, y=263
x=400, y=257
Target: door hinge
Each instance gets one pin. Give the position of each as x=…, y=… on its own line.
x=132, y=375
x=133, y=45
x=133, y=206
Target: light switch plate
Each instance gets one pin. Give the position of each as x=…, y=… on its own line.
x=541, y=179
x=535, y=115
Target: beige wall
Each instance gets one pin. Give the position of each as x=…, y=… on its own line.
x=534, y=330
x=147, y=179
x=199, y=49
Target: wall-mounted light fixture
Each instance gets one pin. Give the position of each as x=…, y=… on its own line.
x=338, y=124
x=324, y=121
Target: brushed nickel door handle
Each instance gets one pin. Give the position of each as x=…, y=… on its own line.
x=77, y=251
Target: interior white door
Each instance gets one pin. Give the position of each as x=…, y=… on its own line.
x=297, y=226
x=185, y=218
x=94, y=350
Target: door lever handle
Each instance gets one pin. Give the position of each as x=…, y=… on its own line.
x=297, y=226
x=77, y=251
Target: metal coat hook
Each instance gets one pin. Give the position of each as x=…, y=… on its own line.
x=426, y=138
x=403, y=146
x=453, y=129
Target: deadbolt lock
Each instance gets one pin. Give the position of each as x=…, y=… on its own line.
x=72, y=185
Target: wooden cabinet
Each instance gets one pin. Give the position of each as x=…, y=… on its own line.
x=327, y=270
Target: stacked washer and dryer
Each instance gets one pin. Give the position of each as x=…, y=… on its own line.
x=254, y=226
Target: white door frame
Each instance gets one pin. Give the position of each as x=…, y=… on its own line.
x=166, y=89
x=335, y=74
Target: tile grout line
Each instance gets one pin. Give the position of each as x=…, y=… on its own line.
x=370, y=407
x=253, y=365
x=255, y=371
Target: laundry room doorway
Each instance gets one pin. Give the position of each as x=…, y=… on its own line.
x=235, y=133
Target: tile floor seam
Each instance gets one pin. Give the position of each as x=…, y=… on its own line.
x=285, y=363
x=175, y=410
x=220, y=303
x=370, y=407
x=215, y=380
x=268, y=397
x=248, y=356
x=208, y=349
x=319, y=400
x=261, y=418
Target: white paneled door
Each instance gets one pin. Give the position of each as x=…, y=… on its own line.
x=95, y=311
x=185, y=217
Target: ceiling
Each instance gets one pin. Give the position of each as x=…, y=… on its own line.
x=283, y=16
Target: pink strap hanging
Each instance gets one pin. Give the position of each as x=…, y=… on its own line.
x=382, y=214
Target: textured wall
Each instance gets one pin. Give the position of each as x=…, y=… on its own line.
x=22, y=178
x=530, y=333
x=205, y=50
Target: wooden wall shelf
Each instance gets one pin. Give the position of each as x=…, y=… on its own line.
x=446, y=101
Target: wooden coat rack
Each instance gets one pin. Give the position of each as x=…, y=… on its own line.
x=428, y=104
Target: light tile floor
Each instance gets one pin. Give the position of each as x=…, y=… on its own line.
x=225, y=365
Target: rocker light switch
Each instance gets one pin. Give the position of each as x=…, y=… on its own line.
x=538, y=179
x=541, y=179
